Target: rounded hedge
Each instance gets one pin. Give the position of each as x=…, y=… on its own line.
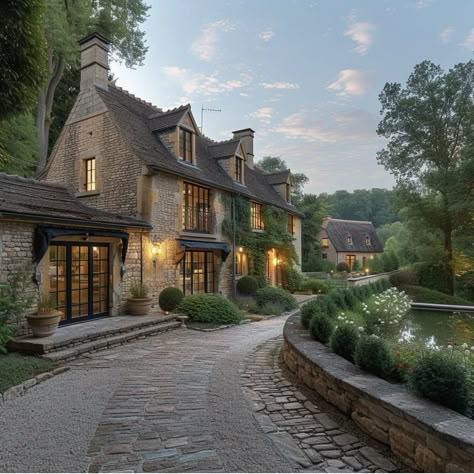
x=316, y=286
x=373, y=355
x=294, y=279
x=270, y=294
x=321, y=327
x=349, y=297
x=343, y=267
x=209, y=308
x=247, y=285
x=308, y=310
x=442, y=380
x=338, y=299
x=344, y=341
x=170, y=298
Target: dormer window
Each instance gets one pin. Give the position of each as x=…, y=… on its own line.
x=239, y=169
x=291, y=224
x=349, y=239
x=88, y=173
x=186, y=145
x=256, y=216
x=288, y=192
x=367, y=240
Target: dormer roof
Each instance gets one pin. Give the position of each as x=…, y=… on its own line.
x=168, y=119
x=224, y=149
x=278, y=177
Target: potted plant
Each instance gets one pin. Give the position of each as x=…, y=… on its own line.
x=45, y=321
x=139, y=304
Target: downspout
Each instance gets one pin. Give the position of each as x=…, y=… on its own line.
x=234, y=293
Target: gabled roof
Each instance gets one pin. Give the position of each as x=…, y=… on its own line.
x=171, y=118
x=224, y=149
x=278, y=177
x=339, y=230
x=29, y=198
x=132, y=117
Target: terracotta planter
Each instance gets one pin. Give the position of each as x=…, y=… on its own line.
x=138, y=306
x=44, y=324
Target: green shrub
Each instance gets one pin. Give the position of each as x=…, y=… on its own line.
x=308, y=310
x=7, y=334
x=294, y=279
x=138, y=290
x=358, y=293
x=356, y=266
x=441, y=379
x=373, y=355
x=465, y=285
x=316, y=286
x=343, y=267
x=389, y=261
x=270, y=309
x=329, y=307
x=247, y=285
x=170, y=298
x=349, y=298
x=434, y=277
x=321, y=327
x=403, y=277
x=209, y=308
x=280, y=296
x=337, y=298
x=425, y=295
x=344, y=341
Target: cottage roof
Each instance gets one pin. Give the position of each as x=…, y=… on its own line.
x=29, y=198
x=170, y=118
x=278, y=177
x=339, y=230
x=132, y=117
x=224, y=149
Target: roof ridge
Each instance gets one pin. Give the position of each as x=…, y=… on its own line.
x=350, y=220
x=31, y=180
x=224, y=142
x=275, y=172
x=138, y=99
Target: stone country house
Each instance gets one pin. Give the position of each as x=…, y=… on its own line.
x=134, y=193
x=348, y=241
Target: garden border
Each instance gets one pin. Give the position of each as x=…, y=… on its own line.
x=425, y=435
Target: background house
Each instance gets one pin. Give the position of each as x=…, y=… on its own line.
x=348, y=241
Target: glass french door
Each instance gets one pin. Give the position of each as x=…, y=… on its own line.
x=79, y=279
x=197, y=271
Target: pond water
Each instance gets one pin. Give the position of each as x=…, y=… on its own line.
x=439, y=328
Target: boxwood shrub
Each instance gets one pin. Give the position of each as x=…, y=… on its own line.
x=247, y=285
x=344, y=341
x=321, y=327
x=308, y=310
x=170, y=298
x=279, y=296
x=209, y=308
x=316, y=286
x=373, y=355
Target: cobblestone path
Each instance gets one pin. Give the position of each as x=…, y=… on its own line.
x=184, y=401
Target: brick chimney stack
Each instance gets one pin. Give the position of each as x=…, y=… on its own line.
x=94, y=61
x=326, y=219
x=246, y=136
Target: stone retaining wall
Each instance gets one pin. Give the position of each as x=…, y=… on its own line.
x=427, y=436
x=364, y=280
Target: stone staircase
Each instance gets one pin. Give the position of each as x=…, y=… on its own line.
x=69, y=342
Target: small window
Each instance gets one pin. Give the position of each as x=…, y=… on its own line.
x=186, y=145
x=89, y=174
x=325, y=243
x=367, y=240
x=291, y=224
x=350, y=259
x=324, y=256
x=288, y=192
x=256, y=217
x=239, y=169
x=349, y=239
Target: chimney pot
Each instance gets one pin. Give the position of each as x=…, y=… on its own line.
x=94, y=61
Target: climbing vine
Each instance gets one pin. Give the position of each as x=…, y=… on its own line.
x=256, y=244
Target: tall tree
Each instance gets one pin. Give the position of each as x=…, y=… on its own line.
x=22, y=55
x=66, y=22
x=276, y=163
x=429, y=125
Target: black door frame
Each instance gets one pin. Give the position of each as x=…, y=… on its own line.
x=68, y=319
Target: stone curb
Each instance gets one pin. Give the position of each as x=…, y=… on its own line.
x=21, y=389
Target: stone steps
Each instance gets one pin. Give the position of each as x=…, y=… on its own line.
x=107, y=342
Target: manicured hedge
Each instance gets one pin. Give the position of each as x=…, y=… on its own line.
x=270, y=294
x=209, y=308
x=425, y=295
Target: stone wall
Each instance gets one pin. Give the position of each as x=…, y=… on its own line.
x=427, y=436
x=365, y=280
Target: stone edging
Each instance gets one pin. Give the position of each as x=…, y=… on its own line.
x=427, y=436
x=21, y=389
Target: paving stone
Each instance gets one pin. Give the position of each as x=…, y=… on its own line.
x=311, y=407
x=326, y=421
x=147, y=445
x=378, y=459
x=160, y=454
x=292, y=406
x=333, y=453
x=317, y=440
x=266, y=423
x=117, y=449
x=352, y=462
x=290, y=449
x=176, y=442
x=313, y=456
x=345, y=439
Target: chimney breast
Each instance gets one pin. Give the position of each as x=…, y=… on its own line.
x=246, y=136
x=94, y=61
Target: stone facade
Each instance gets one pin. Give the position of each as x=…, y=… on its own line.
x=428, y=437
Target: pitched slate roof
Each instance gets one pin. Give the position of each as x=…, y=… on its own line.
x=224, y=149
x=168, y=119
x=338, y=230
x=29, y=198
x=132, y=117
x=278, y=177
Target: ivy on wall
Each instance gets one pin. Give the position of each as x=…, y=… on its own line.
x=256, y=244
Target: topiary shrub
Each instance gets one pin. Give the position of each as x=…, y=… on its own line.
x=279, y=296
x=343, y=267
x=308, y=310
x=441, y=379
x=321, y=327
x=247, y=285
x=209, y=308
x=344, y=341
x=170, y=298
x=294, y=279
x=373, y=355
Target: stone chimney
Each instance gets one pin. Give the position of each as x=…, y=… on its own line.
x=94, y=61
x=246, y=136
x=326, y=219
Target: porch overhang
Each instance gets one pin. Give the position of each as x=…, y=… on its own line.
x=184, y=245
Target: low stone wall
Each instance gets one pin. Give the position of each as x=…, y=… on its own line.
x=427, y=436
x=364, y=280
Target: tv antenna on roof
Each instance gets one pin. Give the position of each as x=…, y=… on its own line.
x=204, y=109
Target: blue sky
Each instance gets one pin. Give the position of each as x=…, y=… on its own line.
x=305, y=75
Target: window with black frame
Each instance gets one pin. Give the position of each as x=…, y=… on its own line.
x=256, y=216
x=239, y=169
x=186, y=145
x=197, y=272
x=196, y=209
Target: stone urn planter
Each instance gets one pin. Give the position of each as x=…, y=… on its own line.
x=44, y=323
x=139, y=303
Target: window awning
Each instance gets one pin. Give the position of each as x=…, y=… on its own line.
x=199, y=245
x=44, y=235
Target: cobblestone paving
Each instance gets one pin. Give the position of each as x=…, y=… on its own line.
x=306, y=434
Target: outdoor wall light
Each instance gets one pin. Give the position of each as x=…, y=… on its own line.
x=241, y=249
x=367, y=271
x=155, y=251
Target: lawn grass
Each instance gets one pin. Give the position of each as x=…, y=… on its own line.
x=16, y=368
x=424, y=295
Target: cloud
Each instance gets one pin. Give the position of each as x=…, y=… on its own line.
x=362, y=34
x=445, y=35
x=469, y=41
x=279, y=85
x=205, y=46
x=263, y=115
x=423, y=3
x=266, y=35
x=194, y=83
x=350, y=82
